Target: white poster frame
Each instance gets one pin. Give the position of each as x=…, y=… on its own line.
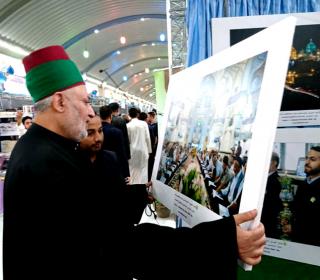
x=276, y=41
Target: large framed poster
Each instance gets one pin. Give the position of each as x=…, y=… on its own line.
x=298, y=126
x=208, y=107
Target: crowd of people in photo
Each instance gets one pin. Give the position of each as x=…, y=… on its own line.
x=219, y=180
x=173, y=155
x=222, y=176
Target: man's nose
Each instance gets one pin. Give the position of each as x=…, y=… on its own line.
x=91, y=113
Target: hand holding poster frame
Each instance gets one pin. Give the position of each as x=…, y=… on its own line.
x=206, y=106
x=299, y=122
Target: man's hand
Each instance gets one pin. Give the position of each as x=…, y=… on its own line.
x=250, y=242
x=127, y=180
x=149, y=190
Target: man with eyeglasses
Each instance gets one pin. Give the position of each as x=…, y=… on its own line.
x=307, y=202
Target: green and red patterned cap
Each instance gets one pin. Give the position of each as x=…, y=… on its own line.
x=50, y=70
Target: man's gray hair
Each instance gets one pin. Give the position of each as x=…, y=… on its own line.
x=42, y=104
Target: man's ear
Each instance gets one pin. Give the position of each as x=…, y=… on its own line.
x=58, y=102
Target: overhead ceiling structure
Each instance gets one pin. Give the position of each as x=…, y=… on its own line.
x=177, y=35
x=95, y=26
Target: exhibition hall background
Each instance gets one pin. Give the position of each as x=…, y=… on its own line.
x=198, y=18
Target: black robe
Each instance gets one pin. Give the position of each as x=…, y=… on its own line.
x=60, y=223
x=121, y=124
x=272, y=206
x=306, y=211
x=114, y=141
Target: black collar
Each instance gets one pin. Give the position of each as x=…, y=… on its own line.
x=40, y=131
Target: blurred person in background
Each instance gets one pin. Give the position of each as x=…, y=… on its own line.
x=23, y=122
x=140, y=147
x=113, y=140
x=121, y=124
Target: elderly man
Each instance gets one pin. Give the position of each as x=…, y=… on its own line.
x=45, y=199
x=56, y=217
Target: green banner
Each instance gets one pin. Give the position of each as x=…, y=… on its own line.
x=160, y=86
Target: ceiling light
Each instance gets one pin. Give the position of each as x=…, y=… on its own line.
x=125, y=78
x=86, y=54
x=118, y=52
x=147, y=70
x=131, y=65
x=141, y=89
x=159, y=58
x=142, y=19
x=162, y=37
x=153, y=44
x=96, y=31
x=123, y=40
x=146, y=80
x=13, y=48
